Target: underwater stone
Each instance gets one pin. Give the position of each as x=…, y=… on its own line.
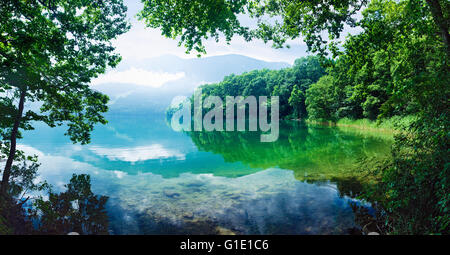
x=188, y=215
x=171, y=194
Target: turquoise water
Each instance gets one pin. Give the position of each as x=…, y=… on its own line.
x=164, y=182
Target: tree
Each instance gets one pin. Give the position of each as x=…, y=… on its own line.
x=397, y=66
x=440, y=9
x=193, y=21
x=297, y=101
x=290, y=84
x=319, y=100
x=49, y=52
x=256, y=87
x=13, y=216
x=75, y=210
x=371, y=78
x=306, y=71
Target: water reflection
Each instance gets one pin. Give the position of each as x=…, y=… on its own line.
x=163, y=182
x=267, y=202
x=136, y=154
x=314, y=153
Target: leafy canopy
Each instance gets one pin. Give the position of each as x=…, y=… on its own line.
x=193, y=21
x=75, y=210
x=50, y=50
x=290, y=84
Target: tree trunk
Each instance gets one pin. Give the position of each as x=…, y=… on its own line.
x=12, y=150
x=441, y=22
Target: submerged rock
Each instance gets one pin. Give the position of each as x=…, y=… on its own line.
x=188, y=215
x=171, y=194
x=224, y=231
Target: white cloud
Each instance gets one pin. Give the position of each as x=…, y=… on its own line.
x=139, y=77
x=140, y=153
x=120, y=174
x=30, y=150
x=57, y=169
x=141, y=43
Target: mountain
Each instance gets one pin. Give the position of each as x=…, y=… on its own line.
x=162, y=78
x=211, y=69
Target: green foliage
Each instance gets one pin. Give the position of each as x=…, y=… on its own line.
x=397, y=66
x=315, y=154
x=413, y=188
x=393, y=123
x=397, y=70
x=374, y=76
x=290, y=84
x=13, y=218
x=75, y=210
x=320, y=100
x=407, y=56
x=297, y=102
x=193, y=21
x=50, y=50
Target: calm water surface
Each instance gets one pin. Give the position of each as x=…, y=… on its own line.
x=164, y=182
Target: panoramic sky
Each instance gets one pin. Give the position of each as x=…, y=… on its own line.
x=141, y=42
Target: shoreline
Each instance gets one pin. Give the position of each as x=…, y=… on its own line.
x=386, y=126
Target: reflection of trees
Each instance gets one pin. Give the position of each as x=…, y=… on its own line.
x=75, y=210
x=314, y=153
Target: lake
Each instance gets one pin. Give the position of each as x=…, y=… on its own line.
x=164, y=182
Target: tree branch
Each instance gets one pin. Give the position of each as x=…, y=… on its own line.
x=438, y=17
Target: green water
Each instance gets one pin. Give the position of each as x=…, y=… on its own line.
x=164, y=182
x=313, y=152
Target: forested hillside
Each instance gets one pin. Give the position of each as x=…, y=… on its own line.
x=377, y=74
x=398, y=66
x=290, y=84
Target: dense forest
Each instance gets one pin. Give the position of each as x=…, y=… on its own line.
x=49, y=52
x=396, y=70
x=398, y=66
x=368, y=79
x=289, y=84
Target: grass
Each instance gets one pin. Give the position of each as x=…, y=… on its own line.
x=388, y=124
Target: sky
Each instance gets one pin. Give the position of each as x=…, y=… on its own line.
x=142, y=42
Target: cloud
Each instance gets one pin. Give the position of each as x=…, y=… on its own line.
x=120, y=174
x=57, y=169
x=141, y=42
x=140, y=153
x=139, y=77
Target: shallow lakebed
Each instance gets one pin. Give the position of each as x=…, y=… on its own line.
x=164, y=182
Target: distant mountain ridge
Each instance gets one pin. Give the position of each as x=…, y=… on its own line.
x=211, y=69
x=127, y=97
